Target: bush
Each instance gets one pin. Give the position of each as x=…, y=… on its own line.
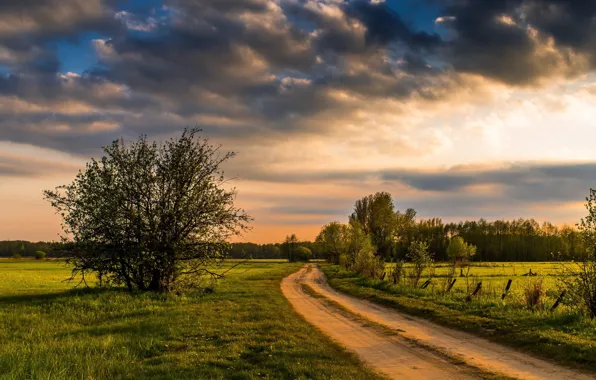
x=40, y=255
x=421, y=258
x=534, y=293
x=16, y=256
x=580, y=283
x=302, y=254
x=344, y=261
x=368, y=265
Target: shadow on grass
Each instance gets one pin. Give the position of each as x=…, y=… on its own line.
x=32, y=299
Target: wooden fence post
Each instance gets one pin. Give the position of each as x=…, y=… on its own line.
x=558, y=301
x=426, y=283
x=506, y=289
x=383, y=276
x=451, y=285
x=478, y=287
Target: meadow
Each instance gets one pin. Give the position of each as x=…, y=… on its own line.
x=494, y=275
x=566, y=335
x=245, y=329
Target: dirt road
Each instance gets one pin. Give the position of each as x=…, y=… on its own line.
x=397, y=356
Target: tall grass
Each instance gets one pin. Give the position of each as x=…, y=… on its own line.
x=533, y=292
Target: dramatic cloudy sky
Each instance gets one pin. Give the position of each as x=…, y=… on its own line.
x=459, y=108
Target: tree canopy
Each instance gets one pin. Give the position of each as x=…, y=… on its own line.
x=459, y=251
x=149, y=216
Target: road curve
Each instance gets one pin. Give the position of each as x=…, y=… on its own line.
x=392, y=356
x=399, y=359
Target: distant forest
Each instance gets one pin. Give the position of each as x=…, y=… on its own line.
x=10, y=248
x=500, y=240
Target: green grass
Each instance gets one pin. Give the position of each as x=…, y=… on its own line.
x=245, y=330
x=494, y=275
x=565, y=336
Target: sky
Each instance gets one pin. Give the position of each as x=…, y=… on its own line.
x=461, y=109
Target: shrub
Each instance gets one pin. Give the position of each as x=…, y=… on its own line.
x=580, y=283
x=302, y=254
x=344, y=261
x=16, y=256
x=368, y=265
x=40, y=255
x=421, y=258
x=534, y=293
x=581, y=286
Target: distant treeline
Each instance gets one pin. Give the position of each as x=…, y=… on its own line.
x=10, y=248
x=500, y=240
x=393, y=232
x=270, y=251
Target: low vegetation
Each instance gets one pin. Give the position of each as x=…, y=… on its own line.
x=246, y=329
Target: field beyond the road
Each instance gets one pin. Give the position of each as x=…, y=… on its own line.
x=245, y=330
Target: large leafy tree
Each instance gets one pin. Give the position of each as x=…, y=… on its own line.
x=375, y=214
x=150, y=216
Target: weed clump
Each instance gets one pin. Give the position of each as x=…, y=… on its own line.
x=534, y=294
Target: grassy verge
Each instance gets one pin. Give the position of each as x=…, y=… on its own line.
x=564, y=336
x=245, y=330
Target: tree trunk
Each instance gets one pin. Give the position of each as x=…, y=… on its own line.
x=156, y=284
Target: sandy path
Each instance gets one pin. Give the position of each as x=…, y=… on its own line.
x=390, y=355
x=475, y=351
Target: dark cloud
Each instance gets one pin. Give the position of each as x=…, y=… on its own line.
x=521, y=41
x=384, y=26
x=530, y=183
x=29, y=29
x=270, y=68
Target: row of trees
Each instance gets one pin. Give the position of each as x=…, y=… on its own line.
x=376, y=233
x=392, y=232
x=272, y=250
x=14, y=248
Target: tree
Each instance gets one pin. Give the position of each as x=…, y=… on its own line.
x=148, y=216
x=40, y=255
x=458, y=251
x=375, y=214
x=405, y=229
x=334, y=240
x=288, y=247
x=302, y=254
x=581, y=282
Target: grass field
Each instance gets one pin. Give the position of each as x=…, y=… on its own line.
x=494, y=276
x=566, y=335
x=245, y=330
